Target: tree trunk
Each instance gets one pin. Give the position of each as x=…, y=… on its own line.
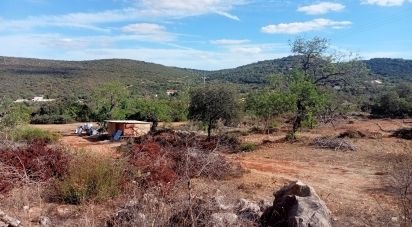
x=153, y=128
x=209, y=129
x=297, y=123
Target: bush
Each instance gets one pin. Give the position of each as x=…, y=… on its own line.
x=89, y=178
x=30, y=134
x=51, y=119
x=403, y=133
x=333, y=143
x=35, y=162
x=247, y=147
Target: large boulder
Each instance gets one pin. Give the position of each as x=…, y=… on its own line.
x=297, y=205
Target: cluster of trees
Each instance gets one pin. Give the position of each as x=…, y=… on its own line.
x=395, y=103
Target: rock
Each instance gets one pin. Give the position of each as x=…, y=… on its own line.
x=35, y=214
x=65, y=211
x=8, y=221
x=45, y=221
x=221, y=203
x=248, y=210
x=297, y=205
x=223, y=219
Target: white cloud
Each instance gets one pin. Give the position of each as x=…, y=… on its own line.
x=321, y=8
x=184, y=8
x=384, y=2
x=307, y=26
x=246, y=50
x=141, y=10
x=229, y=41
x=151, y=32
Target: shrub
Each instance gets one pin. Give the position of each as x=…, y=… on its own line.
x=35, y=162
x=247, y=147
x=333, y=143
x=403, y=133
x=30, y=134
x=89, y=178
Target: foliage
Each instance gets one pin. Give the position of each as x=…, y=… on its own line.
x=396, y=103
x=89, y=178
x=152, y=110
x=30, y=134
x=62, y=111
x=269, y=104
x=110, y=101
x=33, y=162
x=211, y=104
x=247, y=147
x=12, y=114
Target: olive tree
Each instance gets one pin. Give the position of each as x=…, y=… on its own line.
x=211, y=104
x=269, y=104
x=319, y=67
x=109, y=101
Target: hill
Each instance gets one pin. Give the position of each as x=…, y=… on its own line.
x=391, y=70
x=25, y=78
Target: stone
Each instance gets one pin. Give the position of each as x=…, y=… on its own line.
x=35, y=213
x=64, y=211
x=223, y=219
x=45, y=221
x=298, y=205
x=248, y=210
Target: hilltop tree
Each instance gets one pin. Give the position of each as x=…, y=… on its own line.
x=211, y=104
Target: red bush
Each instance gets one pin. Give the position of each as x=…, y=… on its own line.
x=155, y=164
x=34, y=162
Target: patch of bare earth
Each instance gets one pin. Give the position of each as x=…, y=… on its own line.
x=353, y=184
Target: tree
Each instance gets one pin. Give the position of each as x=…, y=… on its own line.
x=211, y=104
x=110, y=101
x=13, y=114
x=308, y=101
x=268, y=104
x=149, y=110
x=319, y=68
x=326, y=67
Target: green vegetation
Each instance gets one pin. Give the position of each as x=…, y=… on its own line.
x=62, y=111
x=110, y=101
x=394, y=103
x=247, y=147
x=211, y=104
x=30, y=134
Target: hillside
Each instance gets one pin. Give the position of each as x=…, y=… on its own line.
x=24, y=78
x=392, y=70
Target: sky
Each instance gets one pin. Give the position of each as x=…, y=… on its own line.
x=201, y=34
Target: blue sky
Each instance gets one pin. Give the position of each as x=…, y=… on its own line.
x=201, y=34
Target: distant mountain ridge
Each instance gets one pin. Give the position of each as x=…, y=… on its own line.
x=27, y=77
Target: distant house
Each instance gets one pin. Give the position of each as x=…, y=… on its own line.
x=171, y=92
x=41, y=99
x=35, y=99
x=377, y=82
x=21, y=100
